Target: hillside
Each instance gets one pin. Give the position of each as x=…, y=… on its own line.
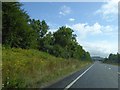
x=32, y=68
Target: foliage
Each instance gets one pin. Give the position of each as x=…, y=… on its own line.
x=15, y=29
x=63, y=36
x=113, y=58
x=66, y=46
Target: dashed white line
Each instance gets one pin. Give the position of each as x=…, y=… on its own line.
x=68, y=86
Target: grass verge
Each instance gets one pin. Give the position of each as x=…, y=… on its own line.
x=32, y=68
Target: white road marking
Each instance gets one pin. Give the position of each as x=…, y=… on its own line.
x=109, y=68
x=68, y=86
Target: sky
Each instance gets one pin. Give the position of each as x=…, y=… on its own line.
x=94, y=23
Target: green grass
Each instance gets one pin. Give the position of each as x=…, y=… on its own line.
x=0, y=66
x=32, y=68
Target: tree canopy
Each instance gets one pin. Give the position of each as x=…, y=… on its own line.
x=113, y=58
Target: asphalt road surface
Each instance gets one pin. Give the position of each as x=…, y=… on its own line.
x=97, y=75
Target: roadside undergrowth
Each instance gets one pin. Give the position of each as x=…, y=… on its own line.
x=32, y=68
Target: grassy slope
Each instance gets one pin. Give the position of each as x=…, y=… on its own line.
x=0, y=66
x=32, y=68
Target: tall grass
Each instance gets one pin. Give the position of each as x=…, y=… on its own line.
x=0, y=66
x=32, y=68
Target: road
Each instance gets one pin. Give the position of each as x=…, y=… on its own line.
x=97, y=75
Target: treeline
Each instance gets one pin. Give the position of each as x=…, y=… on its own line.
x=113, y=58
x=20, y=31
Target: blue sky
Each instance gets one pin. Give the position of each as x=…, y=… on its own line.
x=50, y=11
x=95, y=23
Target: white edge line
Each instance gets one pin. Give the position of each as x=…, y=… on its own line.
x=68, y=86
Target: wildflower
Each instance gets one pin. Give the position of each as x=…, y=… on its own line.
x=8, y=78
x=7, y=83
x=2, y=85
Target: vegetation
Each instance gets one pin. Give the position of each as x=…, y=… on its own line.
x=113, y=58
x=32, y=68
x=23, y=40
x=22, y=32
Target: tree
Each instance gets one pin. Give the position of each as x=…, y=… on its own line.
x=113, y=58
x=15, y=31
x=66, y=45
x=40, y=30
x=47, y=43
x=63, y=36
x=43, y=29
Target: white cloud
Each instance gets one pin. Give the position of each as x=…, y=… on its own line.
x=71, y=19
x=64, y=10
x=101, y=48
x=53, y=30
x=109, y=10
x=84, y=29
